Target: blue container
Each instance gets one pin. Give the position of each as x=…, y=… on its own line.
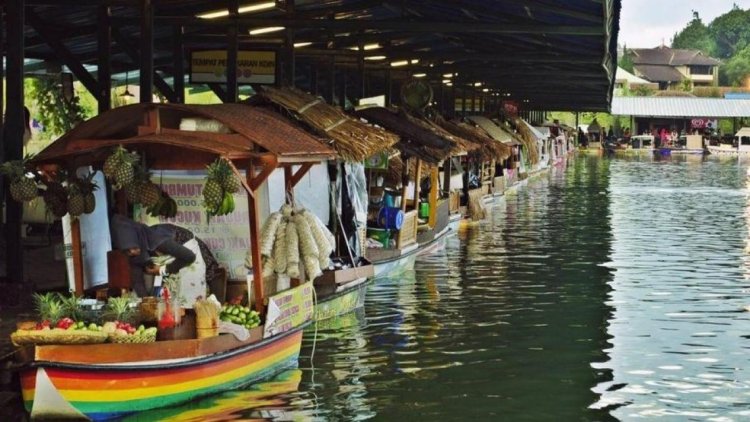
x=391, y=218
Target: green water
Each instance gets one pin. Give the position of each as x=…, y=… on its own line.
x=612, y=289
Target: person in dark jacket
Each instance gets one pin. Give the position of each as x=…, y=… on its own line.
x=140, y=242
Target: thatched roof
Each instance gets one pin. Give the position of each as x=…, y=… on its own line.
x=418, y=139
x=488, y=148
x=353, y=139
x=154, y=129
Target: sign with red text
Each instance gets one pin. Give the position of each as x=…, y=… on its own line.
x=289, y=309
x=704, y=123
x=227, y=236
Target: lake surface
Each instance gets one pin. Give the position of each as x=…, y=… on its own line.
x=612, y=289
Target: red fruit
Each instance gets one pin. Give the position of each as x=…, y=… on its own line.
x=65, y=323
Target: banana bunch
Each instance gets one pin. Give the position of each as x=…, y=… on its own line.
x=164, y=207
x=226, y=206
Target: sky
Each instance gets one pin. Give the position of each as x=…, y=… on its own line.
x=648, y=23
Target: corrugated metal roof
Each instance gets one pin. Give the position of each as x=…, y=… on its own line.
x=680, y=107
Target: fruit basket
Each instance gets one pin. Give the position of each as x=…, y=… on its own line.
x=144, y=337
x=57, y=336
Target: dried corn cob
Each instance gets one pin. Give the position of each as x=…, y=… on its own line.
x=279, y=248
x=268, y=233
x=308, y=247
x=319, y=234
x=292, y=250
x=268, y=266
x=286, y=210
x=312, y=268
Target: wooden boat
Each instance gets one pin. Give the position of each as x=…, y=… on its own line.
x=740, y=147
x=342, y=291
x=111, y=380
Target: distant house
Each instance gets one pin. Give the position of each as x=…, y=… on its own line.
x=669, y=67
x=625, y=80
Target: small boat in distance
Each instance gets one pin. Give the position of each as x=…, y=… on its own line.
x=740, y=146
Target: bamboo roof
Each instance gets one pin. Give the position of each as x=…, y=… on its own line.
x=417, y=138
x=249, y=132
x=488, y=148
x=353, y=139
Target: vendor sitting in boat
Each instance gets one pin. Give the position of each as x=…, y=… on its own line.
x=140, y=242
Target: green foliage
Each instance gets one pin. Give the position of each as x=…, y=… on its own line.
x=736, y=70
x=53, y=111
x=626, y=60
x=695, y=36
x=642, y=91
x=731, y=32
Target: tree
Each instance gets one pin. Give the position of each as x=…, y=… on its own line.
x=731, y=32
x=626, y=60
x=695, y=36
x=736, y=70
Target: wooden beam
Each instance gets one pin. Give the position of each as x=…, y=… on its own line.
x=434, y=195
x=254, y=217
x=268, y=168
x=422, y=26
x=218, y=90
x=300, y=173
x=62, y=52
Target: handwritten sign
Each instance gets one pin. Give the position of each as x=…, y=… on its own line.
x=227, y=236
x=253, y=67
x=289, y=309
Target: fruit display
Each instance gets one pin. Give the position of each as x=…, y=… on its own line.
x=240, y=315
x=291, y=237
x=124, y=332
x=57, y=325
x=120, y=167
x=218, y=191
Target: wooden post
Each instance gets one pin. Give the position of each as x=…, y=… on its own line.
x=404, y=184
x=147, y=51
x=288, y=186
x=434, y=188
x=104, y=67
x=179, y=65
x=232, y=47
x=417, y=179
x=252, y=208
x=77, y=250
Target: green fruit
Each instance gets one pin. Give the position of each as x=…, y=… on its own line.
x=93, y=327
x=141, y=327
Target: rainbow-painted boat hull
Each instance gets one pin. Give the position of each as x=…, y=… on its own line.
x=107, y=391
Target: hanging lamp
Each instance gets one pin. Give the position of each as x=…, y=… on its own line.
x=127, y=92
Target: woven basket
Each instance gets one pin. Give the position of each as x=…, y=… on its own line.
x=57, y=336
x=135, y=338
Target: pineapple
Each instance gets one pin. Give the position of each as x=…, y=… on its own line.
x=119, y=167
x=131, y=192
x=148, y=194
x=118, y=309
x=111, y=164
x=89, y=203
x=87, y=187
x=56, y=199
x=71, y=308
x=228, y=179
x=48, y=306
x=212, y=194
x=76, y=203
x=22, y=188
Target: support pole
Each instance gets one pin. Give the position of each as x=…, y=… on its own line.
x=388, y=87
x=405, y=184
x=179, y=65
x=14, y=129
x=232, y=48
x=434, y=189
x=252, y=207
x=342, y=89
x=147, y=51
x=417, y=179
x=104, y=73
x=77, y=250
x=330, y=93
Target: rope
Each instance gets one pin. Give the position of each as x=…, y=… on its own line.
x=305, y=107
x=335, y=125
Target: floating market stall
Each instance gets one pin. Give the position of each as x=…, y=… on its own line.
x=398, y=226
x=342, y=288
x=133, y=372
x=516, y=163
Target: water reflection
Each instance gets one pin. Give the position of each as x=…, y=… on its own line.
x=678, y=253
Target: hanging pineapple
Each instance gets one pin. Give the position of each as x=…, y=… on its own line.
x=148, y=193
x=119, y=167
x=56, y=198
x=22, y=188
x=87, y=187
x=76, y=202
x=218, y=189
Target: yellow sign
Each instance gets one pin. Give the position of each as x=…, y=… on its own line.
x=253, y=67
x=227, y=236
x=289, y=309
